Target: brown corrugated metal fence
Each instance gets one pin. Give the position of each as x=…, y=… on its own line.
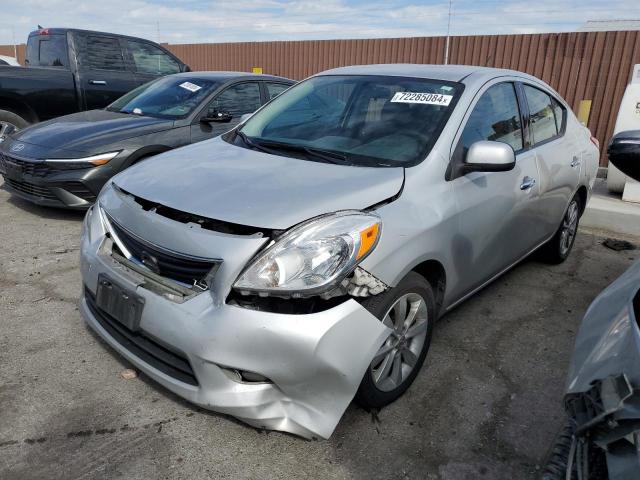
x=581, y=66
x=9, y=51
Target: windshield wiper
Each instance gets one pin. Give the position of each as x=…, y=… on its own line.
x=272, y=147
x=250, y=143
x=328, y=156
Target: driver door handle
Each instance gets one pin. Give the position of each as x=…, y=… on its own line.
x=97, y=82
x=575, y=162
x=527, y=183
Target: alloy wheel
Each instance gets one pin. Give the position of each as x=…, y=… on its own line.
x=395, y=360
x=6, y=127
x=569, y=228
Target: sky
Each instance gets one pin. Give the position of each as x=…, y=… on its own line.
x=200, y=21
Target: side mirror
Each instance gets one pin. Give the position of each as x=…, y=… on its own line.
x=246, y=117
x=624, y=153
x=216, y=116
x=487, y=156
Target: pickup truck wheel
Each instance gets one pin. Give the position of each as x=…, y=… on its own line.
x=409, y=310
x=558, y=248
x=10, y=121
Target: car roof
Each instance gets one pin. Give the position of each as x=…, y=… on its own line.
x=225, y=76
x=451, y=73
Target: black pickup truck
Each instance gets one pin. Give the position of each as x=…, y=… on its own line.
x=70, y=70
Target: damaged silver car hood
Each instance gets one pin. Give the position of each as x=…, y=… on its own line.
x=218, y=180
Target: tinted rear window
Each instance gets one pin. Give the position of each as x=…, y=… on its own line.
x=47, y=51
x=101, y=53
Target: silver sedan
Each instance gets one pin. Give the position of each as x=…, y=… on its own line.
x=301, y=259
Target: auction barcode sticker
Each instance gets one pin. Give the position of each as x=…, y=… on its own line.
x=425, y=98
x=192, y=87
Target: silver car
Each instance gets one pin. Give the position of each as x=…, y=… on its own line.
x=302, y=259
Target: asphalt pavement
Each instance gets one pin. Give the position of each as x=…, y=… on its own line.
x=486, y=405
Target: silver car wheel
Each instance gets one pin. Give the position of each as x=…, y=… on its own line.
x=7, y=127
x=408, y=318
x=569, y=228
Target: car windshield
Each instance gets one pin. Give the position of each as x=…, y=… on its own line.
x=168, y=97
x=363, y=120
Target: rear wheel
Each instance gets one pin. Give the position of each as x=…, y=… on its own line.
x=558, y=248
x=9, y=122
x=409, y=311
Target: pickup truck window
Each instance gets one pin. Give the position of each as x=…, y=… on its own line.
x=151, y=59
x=102, y=53
x=47, y=51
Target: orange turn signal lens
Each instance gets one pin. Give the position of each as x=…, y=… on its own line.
x=368, y=239
x=101, y=161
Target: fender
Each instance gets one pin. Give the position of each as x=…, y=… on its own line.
x=145, y=151
x=19, y=107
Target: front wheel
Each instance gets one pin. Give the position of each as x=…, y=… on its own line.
x=558, y=248
x=409, y=311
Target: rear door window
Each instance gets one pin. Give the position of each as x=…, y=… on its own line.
x=102, y=53
x=151, y=59
x=542, y=115
x=496, y=117
x=275, y=89
x=47, y=51
x=238, y=99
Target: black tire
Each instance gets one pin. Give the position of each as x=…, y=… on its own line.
x=558, y=459
x=369, y=395
x=11, y=118
x=555, y=251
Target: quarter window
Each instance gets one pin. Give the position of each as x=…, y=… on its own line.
x=151, y=59
x=542, y=114
x=238, y=99
x=103, y=53
x=558, y=111
x=495, y=117
x=275, y=89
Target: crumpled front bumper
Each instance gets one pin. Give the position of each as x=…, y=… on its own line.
x=314, y=361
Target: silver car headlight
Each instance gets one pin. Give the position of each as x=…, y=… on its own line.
x=313, y=257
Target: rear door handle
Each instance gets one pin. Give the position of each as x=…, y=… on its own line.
x=575, y=162
x=527, y=183
x=97, y=82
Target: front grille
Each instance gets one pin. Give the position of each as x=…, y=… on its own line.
x=79, y=190
x=36, y=168
x=31, y=189
x=183, y=268
x=142, y=346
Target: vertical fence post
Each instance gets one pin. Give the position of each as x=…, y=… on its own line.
x=446, y=45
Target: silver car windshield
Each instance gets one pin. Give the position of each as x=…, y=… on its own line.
x=168, y=97
x=359, y=120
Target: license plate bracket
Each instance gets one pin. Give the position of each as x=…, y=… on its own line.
x=119, y=303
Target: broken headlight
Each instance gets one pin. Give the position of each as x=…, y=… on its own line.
x=312, y=257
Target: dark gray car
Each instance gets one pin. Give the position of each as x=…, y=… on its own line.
x=66, y=161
